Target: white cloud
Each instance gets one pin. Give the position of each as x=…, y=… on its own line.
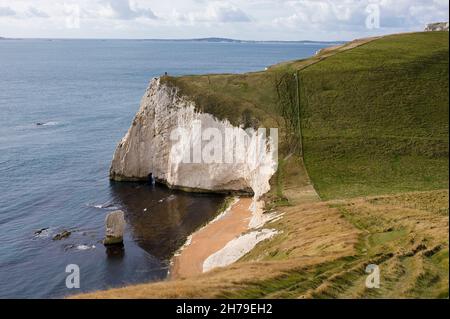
x=33, y=12
x=121, y=9
x=6, y=12
x=351, y=14
x=220, y=12
x=323, y=14
x=226, y=12
x=243, y=19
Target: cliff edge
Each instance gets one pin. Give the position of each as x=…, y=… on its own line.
x=374, y=131
x=183, y=148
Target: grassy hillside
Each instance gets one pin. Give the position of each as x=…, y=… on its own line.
x=370, y=132
x=374, y=118
x=324, y=250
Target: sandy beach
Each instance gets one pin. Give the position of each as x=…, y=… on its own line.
x=212, y=238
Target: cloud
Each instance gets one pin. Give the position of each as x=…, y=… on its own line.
x=121, y=9
x=220, y=12
x=351, y=14
x=320, y=14
x=225, y=12
x=247, y=19
x=7, y=12
x=33, y=12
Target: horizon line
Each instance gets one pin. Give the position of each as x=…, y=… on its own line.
x=206, y=39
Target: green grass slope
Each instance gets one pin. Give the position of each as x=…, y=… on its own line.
x=373, y=120
x=374, y=117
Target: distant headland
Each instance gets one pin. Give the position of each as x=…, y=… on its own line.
x=210, y=40
x=228, y=40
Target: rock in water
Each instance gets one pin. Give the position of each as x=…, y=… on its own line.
x=115, y=226
x=40, y=231
x=62, y=235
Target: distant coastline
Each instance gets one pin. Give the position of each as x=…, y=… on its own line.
x=3, y=38
x=209, y=40
x=228, y=40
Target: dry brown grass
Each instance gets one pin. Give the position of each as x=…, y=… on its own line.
x=323, y=250
x=312, y=233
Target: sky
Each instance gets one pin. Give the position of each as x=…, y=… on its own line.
x=321, y=20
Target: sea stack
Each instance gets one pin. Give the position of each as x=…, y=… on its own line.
x=115, y=226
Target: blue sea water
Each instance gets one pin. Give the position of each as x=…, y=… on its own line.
x=55, y=175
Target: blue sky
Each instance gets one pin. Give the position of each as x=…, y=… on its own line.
x=244, y=19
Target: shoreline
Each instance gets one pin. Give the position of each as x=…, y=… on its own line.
x=222, y=241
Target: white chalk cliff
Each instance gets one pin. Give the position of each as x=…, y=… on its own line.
x=149, y=147
x=438, y=26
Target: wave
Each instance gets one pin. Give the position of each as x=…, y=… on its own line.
x=167, y=199
x=52, y=123
x=81, y=247
x=107, y=206
x=171, y=198
x=43, y=233
x=84, y=247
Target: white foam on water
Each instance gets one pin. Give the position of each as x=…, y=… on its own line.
x=107, y=206
x=85, y=247
x=171, y=197
x=226, y=211
x=50, y=124
x=45, y=233
x=186, y=243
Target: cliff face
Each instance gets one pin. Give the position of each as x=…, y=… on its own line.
x=438, y=26
x=149, y=147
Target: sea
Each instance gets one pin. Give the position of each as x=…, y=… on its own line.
x=64, y=106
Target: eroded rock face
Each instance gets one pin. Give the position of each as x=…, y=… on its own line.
x=147, y=148
x=439, y=26
x=115, y=227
